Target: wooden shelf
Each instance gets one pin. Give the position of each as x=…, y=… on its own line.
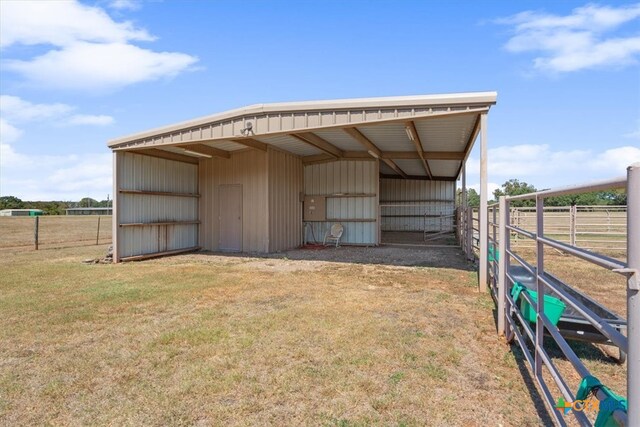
x=151, y=224
x=158, y=193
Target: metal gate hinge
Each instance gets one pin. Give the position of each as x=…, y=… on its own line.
x=633, y=277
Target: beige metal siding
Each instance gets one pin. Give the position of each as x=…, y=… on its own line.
x=285, y=208
x=145, y=173
x=430, y=197
x=352, y=188
x=249, y=169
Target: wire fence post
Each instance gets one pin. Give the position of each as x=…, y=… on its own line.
x=98, y=232
x=36, y=229
x=633, y=293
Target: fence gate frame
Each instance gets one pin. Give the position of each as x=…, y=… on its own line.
x=499, y=281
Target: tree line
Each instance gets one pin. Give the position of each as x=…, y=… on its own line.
x=51, y=207
x=514, y=187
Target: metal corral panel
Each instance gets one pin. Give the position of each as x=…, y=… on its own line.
x=249, y=169
x=340, y=139
x=152, y=174
x=391, y=137
x=444, y=167
x=411, y=200
x=351, y=188
x=446, y=134
x=285, y=207
x=291, y=144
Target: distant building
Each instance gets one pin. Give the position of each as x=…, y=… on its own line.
x=21, y=212
x=89, y=211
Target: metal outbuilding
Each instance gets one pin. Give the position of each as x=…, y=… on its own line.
x=21, y=212
x=88, y=211
x=249, y=179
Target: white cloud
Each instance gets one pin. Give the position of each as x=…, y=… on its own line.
x=94, y=66
x=91, y=50
x=576, y=41
x=124, y=4
x=8, y=132
x=491, y=187
x=16, y=110
x=57, y=177
x=60, y=23
x=87, y=119
x=536, y=163
x=44, y=176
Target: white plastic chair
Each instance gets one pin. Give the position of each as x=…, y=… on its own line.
x=334, y=234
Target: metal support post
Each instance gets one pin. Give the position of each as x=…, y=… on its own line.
x=482, y=212
x=539, y=285
x=115, y=203
x=502, y=266
x=573, y=210
x=633, y=294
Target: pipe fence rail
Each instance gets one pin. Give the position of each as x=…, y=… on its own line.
x=507, y=230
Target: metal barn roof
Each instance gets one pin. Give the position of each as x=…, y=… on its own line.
x=424, y=137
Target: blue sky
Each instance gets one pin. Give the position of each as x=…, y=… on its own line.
x=75, y=74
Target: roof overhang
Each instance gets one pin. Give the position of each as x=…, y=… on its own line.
x=422, y=137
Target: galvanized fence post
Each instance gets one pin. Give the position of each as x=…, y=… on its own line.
x=36, y=230
x=502, y=266
x=539, y=285
x=573, y=211
x=633, y=294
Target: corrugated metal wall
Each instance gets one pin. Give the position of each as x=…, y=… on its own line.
x=248, y=168
x=285, y=207
x=430, y=197
x=358, y=214
x=145, y=173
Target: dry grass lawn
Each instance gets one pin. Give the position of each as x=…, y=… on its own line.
x=214, y=340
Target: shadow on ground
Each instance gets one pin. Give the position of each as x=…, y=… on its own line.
x=437, y=257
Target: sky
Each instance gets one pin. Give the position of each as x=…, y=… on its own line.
x=76, y=74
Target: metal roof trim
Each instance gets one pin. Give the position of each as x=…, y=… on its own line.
x=465, y=99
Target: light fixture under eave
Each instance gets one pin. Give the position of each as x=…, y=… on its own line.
x=195, y=153
x=372, y=154
x=410, y=134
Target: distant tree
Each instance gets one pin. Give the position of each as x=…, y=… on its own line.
x=594, y=198
x=473, y=198
x=514, y=187
x=88, y=202
x=11, y=202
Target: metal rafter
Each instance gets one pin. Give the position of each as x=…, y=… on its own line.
x=412, y=133
x=251, y=143
x=206, y=150
x=318, y=142
x=168, y=155
x=373, y=150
